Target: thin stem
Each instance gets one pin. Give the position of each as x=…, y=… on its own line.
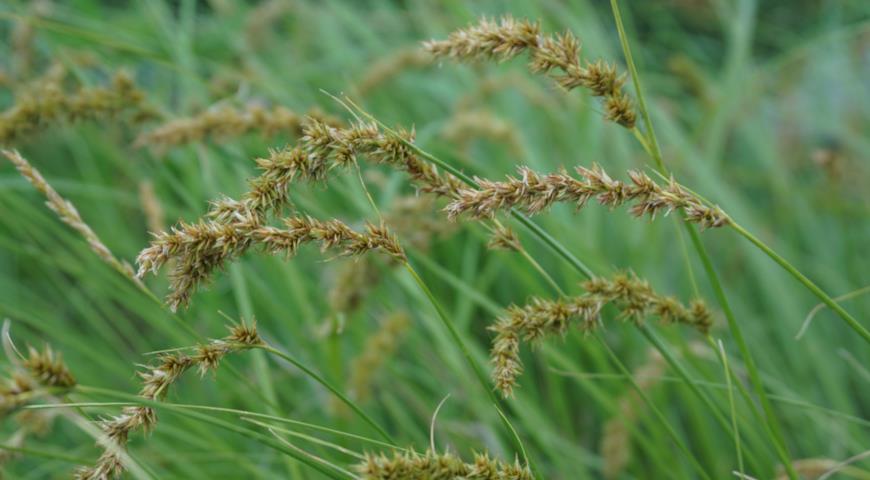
x=724, y=358
x=824, y=297
x=659, y=415
x=655, y=150
x=322, y=381
x=481, y=378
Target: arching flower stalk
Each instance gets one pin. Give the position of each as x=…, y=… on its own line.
x=558, y=56
x=632, y=296
x=533, y=193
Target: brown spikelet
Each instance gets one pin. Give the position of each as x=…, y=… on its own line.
x=633, y=296
x=433, y=465
x=557, y=56
x=534, y=193
x=503, y=238
x=156, y=380
x=47, y=368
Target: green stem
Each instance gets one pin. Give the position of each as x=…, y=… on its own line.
x=659, y=415
x=824, y=297
x=652, y=142
x=322, y=381
x=481, y=378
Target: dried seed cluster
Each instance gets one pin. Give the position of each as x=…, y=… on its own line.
x=632, y=296
x=555, y=55
x=235, y=225
x=224, y=122
x=67, y=212
x=202, y=248
x=41, y=368
x=48, y=104
x=156, y=381
x=533, y=193
x=437, y=466
x=328, y=146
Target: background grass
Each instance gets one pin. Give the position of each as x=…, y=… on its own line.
x=745, y=95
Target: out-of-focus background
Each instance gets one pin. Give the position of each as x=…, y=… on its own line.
x=761, y=106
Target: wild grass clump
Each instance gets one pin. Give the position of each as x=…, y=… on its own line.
x=354, y=187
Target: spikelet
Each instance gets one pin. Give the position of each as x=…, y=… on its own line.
x=202, y=248
x=378, y=348
x=434, y=465
x=634, y=298
x=40, y=369
x=503, y=238
x=68, y=213
x=224, y=122
x=43, y=368
x=533, y=193
x=156, y=381
x=558, y=56
x=48, y=104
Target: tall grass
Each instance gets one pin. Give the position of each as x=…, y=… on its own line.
x=242, y=133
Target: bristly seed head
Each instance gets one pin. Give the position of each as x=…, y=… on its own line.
x=534, y=193
x=633, y=296
x=555, y=55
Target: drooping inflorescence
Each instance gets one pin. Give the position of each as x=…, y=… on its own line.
x=156, y=381
x=533, y=193
x=201, y=248
x=48, y=104
x=223, y=122
x=67, y=212
x=632, y=296
x=434, y=465
x=555, y=55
